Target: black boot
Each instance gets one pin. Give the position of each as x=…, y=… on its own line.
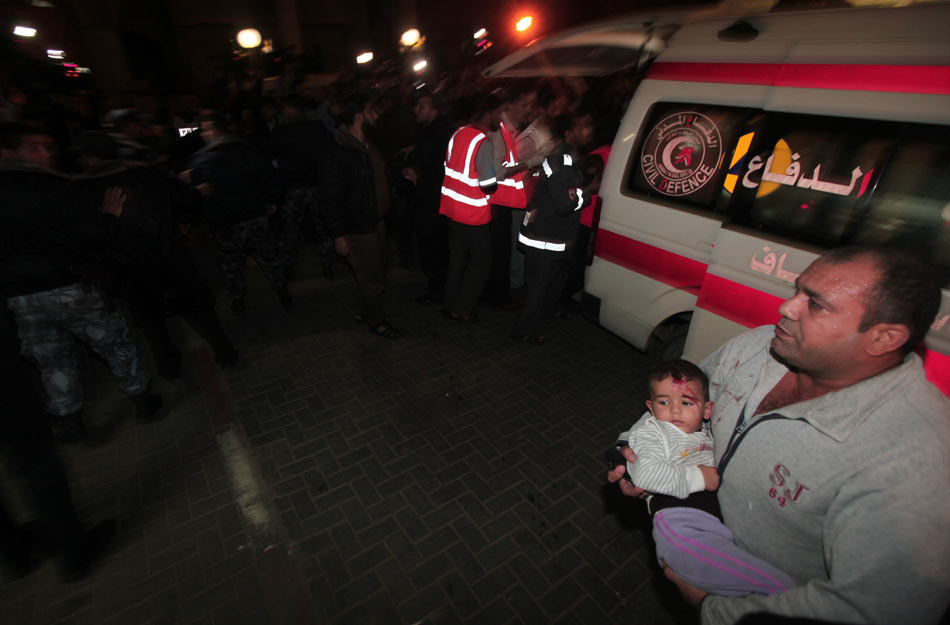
x=69, y=428
x=147, y=406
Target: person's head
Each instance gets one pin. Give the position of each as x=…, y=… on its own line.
x=93, y=147
x=519, y=105
x=291, y=107
x=480, y=111
x=856, y=312
x=357, y=111
x=426, y=109
x=679, y=394
x=213, y=124
x=28, y=144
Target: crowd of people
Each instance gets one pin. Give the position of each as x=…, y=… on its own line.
x=103, y=198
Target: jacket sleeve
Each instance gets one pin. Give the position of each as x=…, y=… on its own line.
x=566, y=193
x=332, y=193
x=885, y=548
x=653, y=471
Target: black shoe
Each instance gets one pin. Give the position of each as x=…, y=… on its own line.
x=79, y=559
x=237, y=307
x=147, y=406
x=286, y=301
x=69, y=428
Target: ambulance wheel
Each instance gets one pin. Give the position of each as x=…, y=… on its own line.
x=669, y=341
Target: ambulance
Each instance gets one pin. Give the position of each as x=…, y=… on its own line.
x=753, y=144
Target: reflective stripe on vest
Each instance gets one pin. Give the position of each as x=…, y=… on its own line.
x=463, y=199
x=511, y=191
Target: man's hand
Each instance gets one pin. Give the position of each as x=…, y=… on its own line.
x=411, y=175
x=342, y=246
x=113, y=201
x=185, y=176
x=692, y=595
x=710, y=477
x=616, y=477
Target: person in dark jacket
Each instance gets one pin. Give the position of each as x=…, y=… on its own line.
x=296, y=145
x=149, y=258
x=48, y=249
x=426, y=171
x=549, y=228
x=354, y=199
x=241, y=189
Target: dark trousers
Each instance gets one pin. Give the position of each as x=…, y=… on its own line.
x=255, y=238
x=579, y=254
x=470, y=253
x=498, y=289
x=191, y=297
x=432, y=238
x=544, y=280
x=28, y=444
x=368, y=260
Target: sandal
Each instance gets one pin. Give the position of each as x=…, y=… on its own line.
x=386, y=331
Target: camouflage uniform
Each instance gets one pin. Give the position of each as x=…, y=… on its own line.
x=298, y=203
x=252, y=237
x=50, y=322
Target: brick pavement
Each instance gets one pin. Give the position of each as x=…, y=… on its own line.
x=449, y=476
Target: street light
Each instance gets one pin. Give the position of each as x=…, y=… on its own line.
x=364, y=58
x=421, y=65
x=523, y=24
x=56, y=54
x=410, y=38
x=24, y=31
x=249, y=38
x=481, y=32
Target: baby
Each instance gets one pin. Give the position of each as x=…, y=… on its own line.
x=675, y=462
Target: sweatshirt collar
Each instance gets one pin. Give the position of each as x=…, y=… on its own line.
x=840, y=413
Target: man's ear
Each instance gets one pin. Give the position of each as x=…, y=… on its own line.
x=707, y=410
x=650, y=406
x=884, y=338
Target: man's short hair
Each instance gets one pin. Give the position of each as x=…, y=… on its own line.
x=351, y=106
x=680, y=370
x=907, y=291
x=12, y=133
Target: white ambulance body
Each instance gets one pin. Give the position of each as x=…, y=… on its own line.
x=751, y=147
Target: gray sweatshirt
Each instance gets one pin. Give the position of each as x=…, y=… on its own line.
x=848, y=492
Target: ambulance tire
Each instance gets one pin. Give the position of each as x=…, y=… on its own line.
x=668, y=341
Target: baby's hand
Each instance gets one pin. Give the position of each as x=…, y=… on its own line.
x=710, y=477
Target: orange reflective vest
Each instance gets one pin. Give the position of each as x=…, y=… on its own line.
x=511, y=191
x=463, y=200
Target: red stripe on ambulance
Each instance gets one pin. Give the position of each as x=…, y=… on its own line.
x=654, y=262
x=933, y=79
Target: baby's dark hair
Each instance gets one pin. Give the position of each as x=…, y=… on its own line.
x=680, y=369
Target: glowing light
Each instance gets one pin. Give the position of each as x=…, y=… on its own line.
x=365, y=57
x=481, y=32
x=249, y=38
x=421, y=65
x=523, y=24
x=56, y=54
x=24, y=31
x=410, y=37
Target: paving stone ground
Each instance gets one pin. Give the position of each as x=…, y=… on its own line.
x=334, y=477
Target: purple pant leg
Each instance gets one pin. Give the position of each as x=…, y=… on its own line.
x=701, y=550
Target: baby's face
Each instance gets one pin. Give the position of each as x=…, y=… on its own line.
x=679, y=402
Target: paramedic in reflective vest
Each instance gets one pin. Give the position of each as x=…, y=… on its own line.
x=469, y=180
x=513, y=194
x=550, y=224
x=833, y=448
